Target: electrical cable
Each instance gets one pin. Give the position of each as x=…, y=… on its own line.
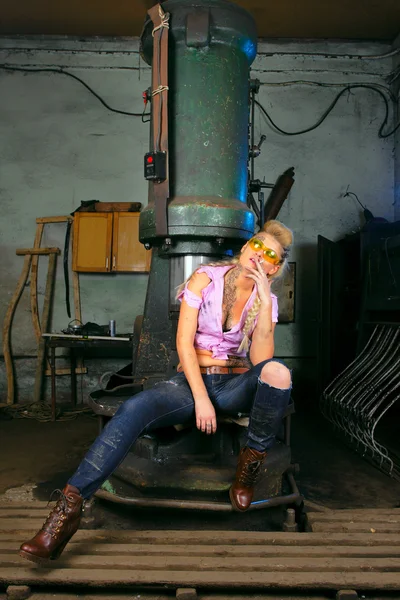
x=330, y=108
x=62, y=72
x=367, y=213
x=144, y=114
x=384, y=88
x=333, y=55
x=347, y=193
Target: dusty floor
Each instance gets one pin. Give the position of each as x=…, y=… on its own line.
x=33, y=452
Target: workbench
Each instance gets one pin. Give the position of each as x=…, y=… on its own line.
x=77, y=346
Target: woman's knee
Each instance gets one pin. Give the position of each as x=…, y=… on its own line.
x=276, y=374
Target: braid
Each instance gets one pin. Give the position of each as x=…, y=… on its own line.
x=248, y=324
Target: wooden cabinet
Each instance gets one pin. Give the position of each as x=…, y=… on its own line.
x=92, y=242
x=108, y=243
x=128, y=254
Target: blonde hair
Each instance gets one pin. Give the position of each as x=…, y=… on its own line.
x=284, y=236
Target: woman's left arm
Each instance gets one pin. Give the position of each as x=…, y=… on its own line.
x=262, y=341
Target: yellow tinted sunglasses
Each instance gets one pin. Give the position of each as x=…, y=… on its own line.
x=268, y=254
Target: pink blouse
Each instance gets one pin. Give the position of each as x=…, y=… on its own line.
x=209, y=334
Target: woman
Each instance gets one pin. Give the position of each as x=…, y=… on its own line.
x=227, y=313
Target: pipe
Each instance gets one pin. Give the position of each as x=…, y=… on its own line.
x=195, y=504
x=278, y=195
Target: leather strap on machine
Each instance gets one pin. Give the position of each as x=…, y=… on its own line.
x=160, y=21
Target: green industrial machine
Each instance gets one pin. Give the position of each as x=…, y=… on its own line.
x=211, y=45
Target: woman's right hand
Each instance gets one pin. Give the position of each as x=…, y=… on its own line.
x=206, y=419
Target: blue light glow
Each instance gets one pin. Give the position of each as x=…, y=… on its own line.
x=249, y=48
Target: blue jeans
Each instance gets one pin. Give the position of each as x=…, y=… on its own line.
x=171, y=403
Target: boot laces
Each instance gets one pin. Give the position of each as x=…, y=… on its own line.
x=249, y=473
x=57, y=514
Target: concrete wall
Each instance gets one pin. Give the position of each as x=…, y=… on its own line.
x=344, y=152
x=59, y=146
x=396, y=91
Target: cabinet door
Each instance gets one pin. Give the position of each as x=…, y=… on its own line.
x=92, y=242
x=128, y=254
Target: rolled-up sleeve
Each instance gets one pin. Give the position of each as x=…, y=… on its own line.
x=190, y=298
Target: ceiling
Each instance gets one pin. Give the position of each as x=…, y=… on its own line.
x=345, y=19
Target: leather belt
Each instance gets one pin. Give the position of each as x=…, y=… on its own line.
x=214, y=370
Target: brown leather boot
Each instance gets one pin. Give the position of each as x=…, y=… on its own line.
x=248, y=469
x=57, y=530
